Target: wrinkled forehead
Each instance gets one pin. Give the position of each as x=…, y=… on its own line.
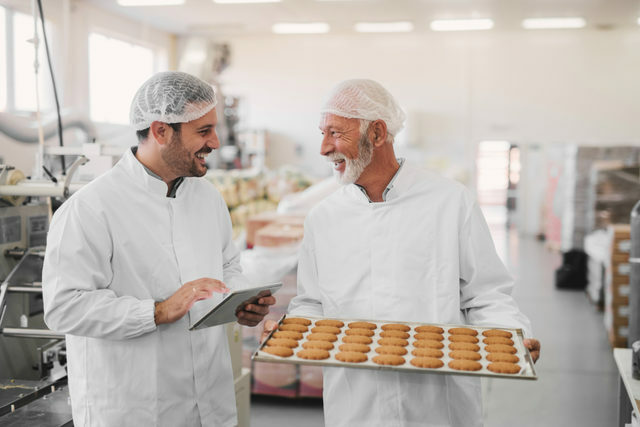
x=329, y=119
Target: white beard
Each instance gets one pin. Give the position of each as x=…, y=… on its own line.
x=353, y=167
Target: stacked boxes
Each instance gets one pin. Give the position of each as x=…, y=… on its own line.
x=272, y=229
x=617, y=295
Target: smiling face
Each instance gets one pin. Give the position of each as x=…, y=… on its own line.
x=187, y=150
x=346, y=146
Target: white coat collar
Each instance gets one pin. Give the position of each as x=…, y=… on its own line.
x=140, y=176
x=396, y=187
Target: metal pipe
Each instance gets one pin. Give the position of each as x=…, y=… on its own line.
x=37, y=190
x=30, y=333
x=25, y=289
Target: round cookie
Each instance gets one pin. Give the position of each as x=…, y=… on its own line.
x=502, y=357
x=282, y=342
x=330, y=322
x=388, y=359
x=395, y=327
x=357, y=339
x=426, y=352
x=322, y=337
x=427, y=362
x=278, y=351
x=429, y=328
x=362, y=348
x=393, y=341
x=500, y=348
x=497, y=333
x=293, y=327
x=465, y=365
x=428, y=344
x=320, y=345
x=290, y=335
x=391, y=349
x=428, y=336
x=326, y=330
x=362, y=325
x=359, y=331
x=464, y=346
x=504, y=368
x=464, y=355
x=498, y=340
x=394, y=334
x=463, y=331
x=351, y=356
x=313, y=354
x=296, y=321
x=463, y=338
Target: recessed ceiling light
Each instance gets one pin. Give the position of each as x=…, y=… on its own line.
x=553, y=23
x=245, y=1
x=150, y=2
x=383, y=27
x=461, y=24
x=298, y=28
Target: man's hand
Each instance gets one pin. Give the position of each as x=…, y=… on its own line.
x=534, y=348
x=177, y=305
x=252, y=314
x=269, y=325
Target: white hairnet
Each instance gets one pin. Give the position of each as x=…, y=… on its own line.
x=365, y=99
x=171, y=97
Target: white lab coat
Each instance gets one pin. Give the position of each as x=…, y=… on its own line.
x=113, y=249
x=423, y=255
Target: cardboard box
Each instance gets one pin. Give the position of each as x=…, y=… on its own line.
x=274, y=235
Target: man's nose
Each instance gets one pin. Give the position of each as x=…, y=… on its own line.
x=326, y=147
x=213, y=142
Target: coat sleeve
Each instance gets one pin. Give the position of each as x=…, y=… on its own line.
x=76, y=276
x=307, y=302
x=485, y=283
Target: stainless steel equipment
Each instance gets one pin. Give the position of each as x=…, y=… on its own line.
x=634, y=260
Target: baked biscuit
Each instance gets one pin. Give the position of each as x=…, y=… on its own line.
x=394, y=334
x=296, y=321
x=393, y=341
x=291, y=335
x=395, y=327
x=464, y=346
x=426, y=352
x=498, y=340
x=388, y=359
x=322, y=337
x=500, y=348
x=330, y=322
x=282, y=342
x=428, y=336
x=463, y=331
x=463, y=338
x=322, y=345
x=351, y=356
x=502, y=357
x=429, y=328
x=359, y=331
x=278, y=351
x=427, y=362
x=465, y=365
x=504, y=368
x=464, y=355
x=313, y=354
x=362, y=325
x=357, y=339
x=428, y=344
x=362, y=348
x=497, y=333
x=293, y=327
x=391, y=349
x=326, y=330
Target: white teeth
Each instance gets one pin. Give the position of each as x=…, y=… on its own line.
x=202, y=155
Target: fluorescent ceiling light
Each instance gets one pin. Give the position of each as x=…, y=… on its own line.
x=296, y=28
x=383, y=27
x=150, y=2
x=638, y=21
x=461, y=24
x=552, y=23
x=245, y=1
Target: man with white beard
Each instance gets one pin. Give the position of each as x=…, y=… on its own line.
x=396, y=243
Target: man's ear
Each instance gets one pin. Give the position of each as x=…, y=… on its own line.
x=160, y=132
x=378, y=133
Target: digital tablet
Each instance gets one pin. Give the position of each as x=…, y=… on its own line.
x=225, y=311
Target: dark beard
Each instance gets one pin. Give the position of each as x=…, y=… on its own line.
x=179, y=160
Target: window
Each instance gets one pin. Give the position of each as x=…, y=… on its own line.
x=3, y=56
x=116, y=69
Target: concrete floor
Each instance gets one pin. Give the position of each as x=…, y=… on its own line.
x=577, y=377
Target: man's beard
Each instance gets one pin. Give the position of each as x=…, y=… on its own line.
x=353, y=167
x=179, y=160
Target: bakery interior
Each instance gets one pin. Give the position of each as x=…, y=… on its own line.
x=532, y=105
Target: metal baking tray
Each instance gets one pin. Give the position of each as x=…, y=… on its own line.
x=527, y=371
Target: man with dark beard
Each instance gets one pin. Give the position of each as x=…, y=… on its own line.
x=396, y=243
x=134, y=258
